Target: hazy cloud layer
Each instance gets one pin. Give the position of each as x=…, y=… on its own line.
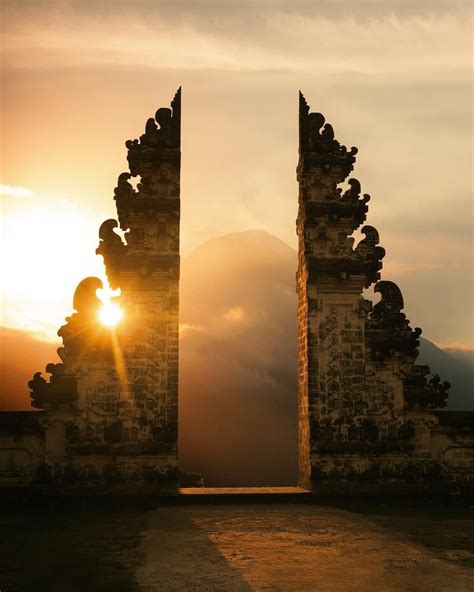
x=289, y=36
x=394, y=78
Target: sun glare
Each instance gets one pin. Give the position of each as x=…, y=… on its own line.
x=58, y=231
x=110, y=314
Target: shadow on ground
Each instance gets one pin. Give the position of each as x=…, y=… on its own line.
x=69, y=550
x=237, y=547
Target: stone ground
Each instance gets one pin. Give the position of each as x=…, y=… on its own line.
x=290, y=546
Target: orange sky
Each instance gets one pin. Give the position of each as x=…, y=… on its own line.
x=394, y=79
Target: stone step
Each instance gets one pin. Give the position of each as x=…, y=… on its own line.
x=241, y=494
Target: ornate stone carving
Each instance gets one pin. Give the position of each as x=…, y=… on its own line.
x=124, y=190
x=83, y=334
x=388, y=329
x=423, y=391
x=368, y=248
x=318, y=147
x=158, y=146
x=352, y=195
x=112, y=249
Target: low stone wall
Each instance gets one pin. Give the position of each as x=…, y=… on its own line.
x=441, y=462
x=28, y=442
x=22, y=447
x=453, y=447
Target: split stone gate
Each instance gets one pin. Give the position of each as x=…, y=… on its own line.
x=369, y=416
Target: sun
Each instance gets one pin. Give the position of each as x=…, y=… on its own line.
x=110, y=314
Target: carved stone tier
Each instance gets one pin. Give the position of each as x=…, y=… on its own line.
x=336, y=211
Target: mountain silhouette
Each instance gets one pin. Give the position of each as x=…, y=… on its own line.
x=238, y=381
x=452, y=365
x=238, y=385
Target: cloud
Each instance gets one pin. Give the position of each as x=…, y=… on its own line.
x=457, y=345
x=9, y=191
x=439, y=236
x=235, y=314
x=185, y=328
x=264, y=37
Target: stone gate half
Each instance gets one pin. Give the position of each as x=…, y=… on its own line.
x=367, y=413
x=110, y=408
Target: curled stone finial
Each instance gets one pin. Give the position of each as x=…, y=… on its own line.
x=110, y=242
x=163, y=117
x=316, y=122
x=124, y=189
x=130, y=144
x=85, y=299
x=328, y=133
x=82, y=332
x=353, y=193
x=371, y=235
x=107, y=234
x=150, y=126
x=124, y=195
x=391, y=301
x=388, y=329
x=368, y=247
x=111, y=248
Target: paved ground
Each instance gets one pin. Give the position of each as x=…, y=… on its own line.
x=231, y=547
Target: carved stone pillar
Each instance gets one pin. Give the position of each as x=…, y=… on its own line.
x=359, y=391
x=146, y=270
x=112, y=406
